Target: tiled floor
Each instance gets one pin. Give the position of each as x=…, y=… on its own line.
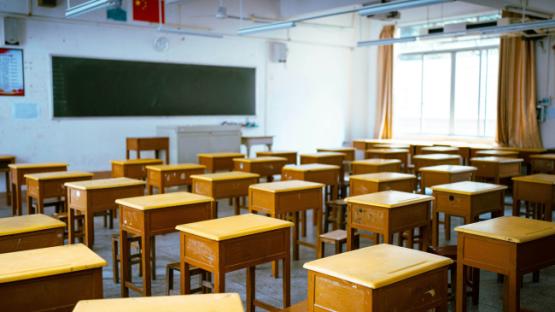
x=535, y=296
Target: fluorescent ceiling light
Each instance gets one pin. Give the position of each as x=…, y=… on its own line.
x=381, y=42
x=86, y=7
x=382, y=8
x=480, y=31
x=265, y=27
x=190, y=32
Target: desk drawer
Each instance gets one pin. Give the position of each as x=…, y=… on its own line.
x=368, y=218
x=301, y=200
x=453, y=204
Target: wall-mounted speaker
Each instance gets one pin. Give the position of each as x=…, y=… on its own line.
x=13, y=31
x=278, y=52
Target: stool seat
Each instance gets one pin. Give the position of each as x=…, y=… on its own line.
x=335, y=236
x=449, y=251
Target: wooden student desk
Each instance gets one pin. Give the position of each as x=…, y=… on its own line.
x=263, y=166
x=440, y=150
x=536, y=189
x=289, y=155
x=162, y=176
x=148, y=216
x=218, y=161
x=348, y=151
x=387, y=213
x=278, y=199
x=132, y=168
x=375, y=165
x=17, y=178
x=318, y=173
x=467, y=200
x=382, y=181
x=30, y=232
x=496, y=168
x=41, y=186
x=155, y=144
x=327, y=158
x=49, y=279
x=429, y=160
x=444, y=174
x=544, y=163
x=250, y=141
x=230, y=302
x=5, y=161
x=233, y=243
x=93, y=196
x=389, y=153
x=365, y=144
x=511, y=246
x=378, y=278
x=233, y=185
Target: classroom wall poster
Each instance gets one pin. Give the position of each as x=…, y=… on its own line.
x=11, y=72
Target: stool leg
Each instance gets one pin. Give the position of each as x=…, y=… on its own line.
x=475, y=286
x=296, y=235
x=111, y=219
x=8, y=189
x=337, y=248
x=303, y=223
x=447, y=227
x=322, y=251
x=326, y=218
x=251, y=287
x=237, y=205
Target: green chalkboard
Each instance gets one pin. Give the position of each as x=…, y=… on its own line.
x=85, y=87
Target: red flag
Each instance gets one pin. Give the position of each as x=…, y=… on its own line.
x=148, y=11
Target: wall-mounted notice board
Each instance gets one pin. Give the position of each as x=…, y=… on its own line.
x=85, y=87
x=11, y=72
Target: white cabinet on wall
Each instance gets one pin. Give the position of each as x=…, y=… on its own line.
x=188, y=141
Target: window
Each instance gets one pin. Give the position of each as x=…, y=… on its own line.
x=446, y=88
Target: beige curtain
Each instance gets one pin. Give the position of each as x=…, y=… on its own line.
x=384, y=116
x=517, y=124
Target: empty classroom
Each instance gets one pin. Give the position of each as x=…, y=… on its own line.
x=277, y=155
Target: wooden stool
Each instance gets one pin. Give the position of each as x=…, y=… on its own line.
x=80, y=220
x=297, y=307
x=133, y=258
x=335, y=214
x=473, y=279
x=337, y=238
x=176, y=266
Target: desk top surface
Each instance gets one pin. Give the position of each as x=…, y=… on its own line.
x=436, y=156
x=378, y=266
x=286, y=186
x=440, y=149
x=225, y=176
x=142, y=161
x=58, y=175
x=262, y=159
x=264, y=153
x=36, y=165
x=166, y=200
x=104, y=183
x=541, y=178
x=28, y=223
x=234, y=226
x=7, y=157
x=221, y=155
x=193, y=303
x=544, y=156
x=389, y=199
x=468, y=188
x=336, y=149
x=311, y=167
x=35, y=263
x=383, y=177
x=147, y=138
x=376, y=162
x=387, y=150
x=496, y=159
x=323, y=155
x=510, y=229
x=497, y=152
x=175, y=167
x=449, y=169
x=391, y=145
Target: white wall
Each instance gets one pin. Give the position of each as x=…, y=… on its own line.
x=303, y=101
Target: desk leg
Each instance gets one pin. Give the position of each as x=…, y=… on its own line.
x=460, y=298
x=275, y=264
x=516, y=206
x=167, y=154
x=125, y=269
x=219, y=280
x=185, y=273
x=287, y=274
x=8, y=189
x=447, y=226
x=318, y=229
x=248, y=147
x=29, y=202
x=269, y=147
x=237, y=205
x=251, y=288
x=435, y=225
x=387, y=238
x=70, y=228
x=512, y=292
x=424, y=238
x=16, y=199
x=296, y=236
x=126, y=154
x=350, y=237
x=157, y=154
x=138, y=154
x=40, y=205
x=145, y=259
x=549, y=212
x=149, y=189
x=89, y=229
x=303, y=223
